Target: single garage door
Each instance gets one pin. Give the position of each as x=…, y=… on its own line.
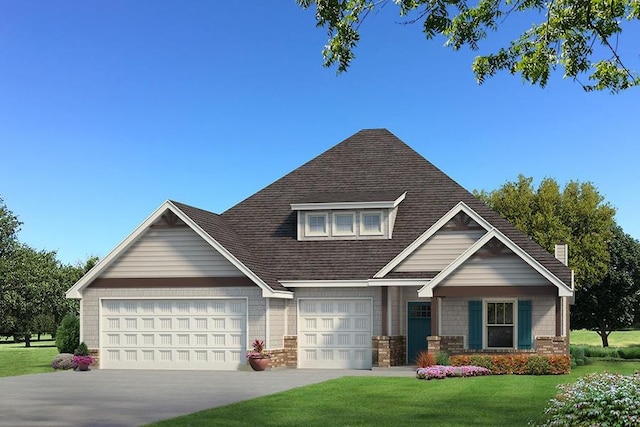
x=335, y=333
x=173, y=333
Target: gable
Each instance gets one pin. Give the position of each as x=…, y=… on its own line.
x=170, y=251
x=443, y=247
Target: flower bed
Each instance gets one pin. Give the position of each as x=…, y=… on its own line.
x=520, y=364
x=441, y=372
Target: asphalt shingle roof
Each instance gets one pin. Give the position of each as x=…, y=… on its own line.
x=261, y=231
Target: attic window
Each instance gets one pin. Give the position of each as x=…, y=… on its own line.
x=344, y=224
x=371, y=223
x=316, y=224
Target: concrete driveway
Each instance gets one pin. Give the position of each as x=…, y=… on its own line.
x=132, y=398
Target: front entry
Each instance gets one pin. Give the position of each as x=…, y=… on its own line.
x=418, y=329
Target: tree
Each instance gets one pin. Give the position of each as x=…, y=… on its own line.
x=9, y=227
x=581, y=36
x=577, y=216
x=611, y=303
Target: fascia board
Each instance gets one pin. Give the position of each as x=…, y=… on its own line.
x=383, y=204
x=460, y=207
x=563, y=289
x=399, y=282
x=75, y=291
x=356, y=283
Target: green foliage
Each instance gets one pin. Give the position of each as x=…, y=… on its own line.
x=578, y=355
x=68, y=334
x=596, y=400
x=442, y=358
x=538, y=365
x=576, y=215
x=580, y=36
x=82, y=350
x=9, y=227
x=630, y=352
x=611, y=303
x=516, y=364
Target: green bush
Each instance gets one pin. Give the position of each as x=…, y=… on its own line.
x=599, y=399
x=442, y=358
x=578, y=355
x=68, y=334
x=82, y=350
x=629, y=352
x=610, y=352
x=538, y=365
x=516, y=364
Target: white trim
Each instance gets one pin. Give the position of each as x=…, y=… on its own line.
x=383, y=204
x=307, y=226
x=75, y=292
x=563, y=289
x=267, y=322
x=364, y=231
x=485, y=322
x=334, y=224
x=81, y=317
x=460, y=207
x=353, y=283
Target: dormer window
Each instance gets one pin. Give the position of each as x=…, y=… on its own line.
x=371, y=223
x=317, y=224
x=344, y=224
x=348, y=216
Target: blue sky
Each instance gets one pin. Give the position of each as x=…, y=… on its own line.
x=108, y=108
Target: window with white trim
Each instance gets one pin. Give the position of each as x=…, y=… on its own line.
x=500, y=324
x=316, y=224
x=344, y=224
x=371, y=223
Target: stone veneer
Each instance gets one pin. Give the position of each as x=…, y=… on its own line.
x=286, y=357
x=455, y=345
x=388, y=351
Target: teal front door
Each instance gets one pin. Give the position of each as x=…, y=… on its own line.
x=418, y=329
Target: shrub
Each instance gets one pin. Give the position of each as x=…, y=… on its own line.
x=63, y=361
x=441, y=372
x=442, y=358
x=82, y=350
x=424, y=359
x=630, y=352
x=68, y=334
x=518, y=364
x=599, y=399
x=610, y=352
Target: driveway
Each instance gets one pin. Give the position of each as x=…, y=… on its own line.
x=132, y=398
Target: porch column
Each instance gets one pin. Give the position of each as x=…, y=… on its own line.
x=559, y=316
x=435, y=327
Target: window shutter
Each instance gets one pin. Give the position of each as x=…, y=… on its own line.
x=524, y=325
x=475, y=325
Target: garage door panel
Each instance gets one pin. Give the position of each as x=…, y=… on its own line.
x=335, y=333
x=173, y=334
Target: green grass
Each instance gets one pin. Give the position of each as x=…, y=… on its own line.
x=15, y=359
x=616, y=339
x=380, y=401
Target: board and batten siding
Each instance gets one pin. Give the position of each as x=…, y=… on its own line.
x=171, y=252
x=439, y=250
x=503, y=270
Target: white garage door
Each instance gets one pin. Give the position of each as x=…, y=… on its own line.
x=173, y=334
x=335, y=333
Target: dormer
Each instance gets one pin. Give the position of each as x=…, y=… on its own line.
x=347, y=216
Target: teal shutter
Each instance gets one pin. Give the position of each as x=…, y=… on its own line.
x=475, y=325
x=524, y=325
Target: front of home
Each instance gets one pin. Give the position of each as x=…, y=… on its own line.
x=359, y=258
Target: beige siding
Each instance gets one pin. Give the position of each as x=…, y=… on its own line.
x=277, y=327
x=504, y=270
x=91, y=305
x=301, y=293
x=170, y=252
x=440, y=250
x=454, y=315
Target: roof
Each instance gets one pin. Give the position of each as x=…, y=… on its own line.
x=372, y=161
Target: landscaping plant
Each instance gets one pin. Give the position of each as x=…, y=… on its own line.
x=63, y=361
x=441, y=372
x=599, y=399
x=425, y=359
x=68, y=334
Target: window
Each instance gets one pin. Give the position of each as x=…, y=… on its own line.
x=500, y=324
x=317, y=225
x=371, y=223
x=344, y=224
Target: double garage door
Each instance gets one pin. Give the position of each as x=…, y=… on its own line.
x=173, y=334
x=335, y=333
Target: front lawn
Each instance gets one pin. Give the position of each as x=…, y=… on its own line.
x=616, y=339
x=15, y=359
x=506, y=400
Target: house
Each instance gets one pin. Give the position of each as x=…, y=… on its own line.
x=358, y=258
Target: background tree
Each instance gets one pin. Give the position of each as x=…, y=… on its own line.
x=9, y=227
x=611, y=303
x=577, y=215
x=581, y=36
